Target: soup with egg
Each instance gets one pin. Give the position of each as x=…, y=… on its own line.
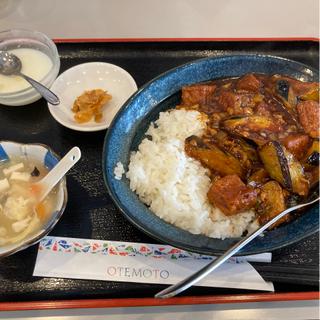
x=18, y=198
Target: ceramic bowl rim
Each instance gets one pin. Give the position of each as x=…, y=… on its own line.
x=108, y=181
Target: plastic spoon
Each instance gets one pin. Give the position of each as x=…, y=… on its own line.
x=45, y=185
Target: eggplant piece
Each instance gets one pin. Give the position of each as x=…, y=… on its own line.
x=305, y=90
x=312, y=155
x=275, y=162
x=290, y=91
x=311, y=164
x=213, y=158
x=280, y=90
x=297, y=144
x=272, y=202
x=282, y=87
x=285, y=92
x=293, y=200
x=284, y=168
x=312, y=94
x=313, y=159
x=238, y=147
x=312, y=174
x=300, y=183
x=259, y=129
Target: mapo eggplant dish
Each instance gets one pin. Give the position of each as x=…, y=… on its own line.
x=261, y=144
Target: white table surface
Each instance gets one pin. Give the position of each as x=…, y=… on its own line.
x=164, y=19
x=128, y=19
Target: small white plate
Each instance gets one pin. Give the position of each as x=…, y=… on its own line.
x=87, y=76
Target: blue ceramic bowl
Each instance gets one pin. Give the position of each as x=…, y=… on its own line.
x=45, y=155
x=128, y=128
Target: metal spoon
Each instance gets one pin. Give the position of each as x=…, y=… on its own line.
x=10, y=64
x=199, y=275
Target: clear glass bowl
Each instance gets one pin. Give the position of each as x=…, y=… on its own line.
x=19, y=38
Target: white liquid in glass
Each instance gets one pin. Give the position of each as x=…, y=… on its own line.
x=35, y=64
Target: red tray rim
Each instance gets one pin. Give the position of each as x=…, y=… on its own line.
x=152, y=302
x=142, y=302
x=82, y=40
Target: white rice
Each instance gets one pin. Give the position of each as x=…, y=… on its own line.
x=174, y=185
x=119, y=171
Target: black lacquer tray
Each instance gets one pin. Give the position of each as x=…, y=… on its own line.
x=90, y=212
